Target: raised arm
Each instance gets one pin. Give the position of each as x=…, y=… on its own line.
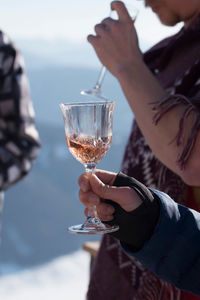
x=19, y=140
x=116, y=45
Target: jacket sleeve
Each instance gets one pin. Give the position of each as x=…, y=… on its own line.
x=19, y=140
x=173, y=252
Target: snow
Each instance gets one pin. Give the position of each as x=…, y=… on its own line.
x=63, y=278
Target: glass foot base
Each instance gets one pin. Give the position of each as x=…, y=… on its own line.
x=92, y=228
x=94, y=93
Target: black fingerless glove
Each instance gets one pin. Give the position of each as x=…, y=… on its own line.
x=136, y=227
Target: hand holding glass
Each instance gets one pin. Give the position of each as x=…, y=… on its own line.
x=88, y=130
x=96, y=90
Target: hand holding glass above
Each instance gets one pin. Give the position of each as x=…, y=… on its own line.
x=88, y=130
x=96, y=90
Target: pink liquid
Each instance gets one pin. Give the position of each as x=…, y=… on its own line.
x=88, y=150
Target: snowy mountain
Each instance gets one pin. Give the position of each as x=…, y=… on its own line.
x=63, y=278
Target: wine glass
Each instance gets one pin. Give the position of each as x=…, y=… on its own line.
x=88, y=131
x=96, y=90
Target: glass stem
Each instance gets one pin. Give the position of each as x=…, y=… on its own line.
x=100, y=78
x=102, y=71
x=92, y=211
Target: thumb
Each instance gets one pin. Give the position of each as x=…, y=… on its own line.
x=125, y=196
x=121, y=10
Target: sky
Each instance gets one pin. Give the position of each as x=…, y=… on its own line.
x=70, y=20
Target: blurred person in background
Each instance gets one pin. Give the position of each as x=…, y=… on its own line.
x=19, y=139
x=160, y=233
x=162, y=87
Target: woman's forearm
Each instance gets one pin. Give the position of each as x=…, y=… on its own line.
x=142, y=89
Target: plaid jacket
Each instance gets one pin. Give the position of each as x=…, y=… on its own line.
x=19, y=140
